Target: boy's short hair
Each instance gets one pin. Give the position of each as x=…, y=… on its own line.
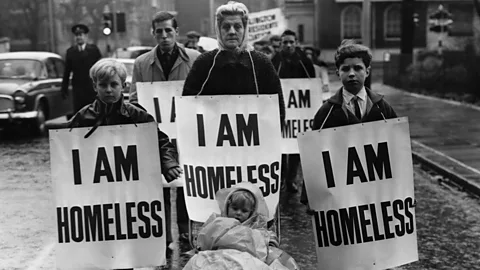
x=162, y=16
x=107, y=68
x=241, y=197
x=350, y=49
x=289, y=32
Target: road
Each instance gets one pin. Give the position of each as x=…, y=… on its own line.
x=448, y=221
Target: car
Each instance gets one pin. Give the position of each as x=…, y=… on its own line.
x=30, y=89
x=129, y=65
x=131, y=52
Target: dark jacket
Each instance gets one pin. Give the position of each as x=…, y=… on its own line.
x=232, y=75
x=296, y=65
x=80, y=62
x=120, y=113
x=339, y=115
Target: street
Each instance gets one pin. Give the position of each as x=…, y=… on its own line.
x=448, y=221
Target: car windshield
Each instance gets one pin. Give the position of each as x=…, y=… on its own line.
x=20, y=68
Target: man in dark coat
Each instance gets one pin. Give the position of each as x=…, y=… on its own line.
x=291, y=62
x=79, y=59
x=353, y=103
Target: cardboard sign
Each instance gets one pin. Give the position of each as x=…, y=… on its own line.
x=359, y=180
x=265, y=23
x=225, y=140
x=158, y=99
x=108, y=197
x=303, y=98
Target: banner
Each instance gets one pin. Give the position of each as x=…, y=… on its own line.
x=359, y=181
x=158, y=99
x=225, y=140
x=108, y=197
x=265, y=23
x=303, y=98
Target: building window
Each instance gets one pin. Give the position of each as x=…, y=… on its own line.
x=351, y=20
x=462, y=19
x=392, y=22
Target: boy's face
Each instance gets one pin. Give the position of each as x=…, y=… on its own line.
x=240, y=212
x=288, y=44
x=352, y=73
x=110, y=90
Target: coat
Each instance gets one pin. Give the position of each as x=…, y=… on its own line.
x=293, y=66
x=339, y=115
x=79, y=63
x=120, y=113
x=147, y=68
x=232, y=74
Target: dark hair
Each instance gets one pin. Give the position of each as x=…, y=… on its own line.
x=289, y=32
x=350, y=49
x=162, y=16
x=275, y=38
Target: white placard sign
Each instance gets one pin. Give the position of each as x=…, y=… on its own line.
x=224, y=140
x=359, y=182
x=158, y=99
x=108, y=197
x=265, y=23
x=303, y=98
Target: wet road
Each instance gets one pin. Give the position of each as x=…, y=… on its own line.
x=448, y=221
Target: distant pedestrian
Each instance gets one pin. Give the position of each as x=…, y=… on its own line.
x=353, y=103
x=275, y=42
x=291, y=62
x=193, y=37
x=321, y=68
x=168, y=61
x=79, y=59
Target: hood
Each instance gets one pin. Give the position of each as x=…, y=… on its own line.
x=234, y=6
x=10, y=86
x=260, y=204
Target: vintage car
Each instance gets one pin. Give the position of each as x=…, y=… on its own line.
x=30, y=89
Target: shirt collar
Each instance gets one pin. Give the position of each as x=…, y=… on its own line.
x=347, y=96
x=82, y=46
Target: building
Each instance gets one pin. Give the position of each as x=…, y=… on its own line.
x=301, y=18
x=341, y=19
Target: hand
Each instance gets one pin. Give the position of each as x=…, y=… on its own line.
x=173, y=173
x=325, y=88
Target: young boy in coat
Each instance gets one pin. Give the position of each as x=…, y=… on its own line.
x=353, y=103
x=109, y=108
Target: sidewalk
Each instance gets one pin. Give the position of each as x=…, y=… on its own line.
x=444, y=133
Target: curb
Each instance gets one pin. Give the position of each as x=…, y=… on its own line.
x=458, y=179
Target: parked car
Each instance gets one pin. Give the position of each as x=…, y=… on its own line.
x=131, y=52
x=129, y=64
x=30, y=89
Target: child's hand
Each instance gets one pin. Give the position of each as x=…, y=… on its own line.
x=173, y=173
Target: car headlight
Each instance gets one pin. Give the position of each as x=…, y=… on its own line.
x=19, y=97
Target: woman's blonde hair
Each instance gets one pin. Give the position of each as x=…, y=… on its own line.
x=106, y=69
x=232, y=8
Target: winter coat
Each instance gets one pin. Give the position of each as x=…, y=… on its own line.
x=100, y=114
x=339, y=115
x=231, y=73
x=147, y=68
x=79, y=63
x=296, y=65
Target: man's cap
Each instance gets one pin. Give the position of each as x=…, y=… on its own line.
x=80, y=28
x=192, y=34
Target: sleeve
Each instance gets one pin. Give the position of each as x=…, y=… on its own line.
x=310, y=68
x=66, y=72
x=98, y=53
x=197, y=76
x=324, y=75
x=321, y=115
x=136, y=77
x=390, y=113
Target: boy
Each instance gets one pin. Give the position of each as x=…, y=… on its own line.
x=108, y=76
x=353, y=103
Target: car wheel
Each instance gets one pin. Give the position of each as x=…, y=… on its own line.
x=38, y=125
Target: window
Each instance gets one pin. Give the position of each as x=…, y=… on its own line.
x=462, y=16
x=351, y=19
x=392, y=22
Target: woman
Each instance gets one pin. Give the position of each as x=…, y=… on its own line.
x=234, y=68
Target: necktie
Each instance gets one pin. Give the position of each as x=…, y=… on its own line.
x=80, y=48
x=358, y=114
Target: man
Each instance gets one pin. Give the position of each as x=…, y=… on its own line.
x=291, y=62
x=275, y=42
x=79, y=59
x=321, y=68
x=165, y=62
x=193, y=37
